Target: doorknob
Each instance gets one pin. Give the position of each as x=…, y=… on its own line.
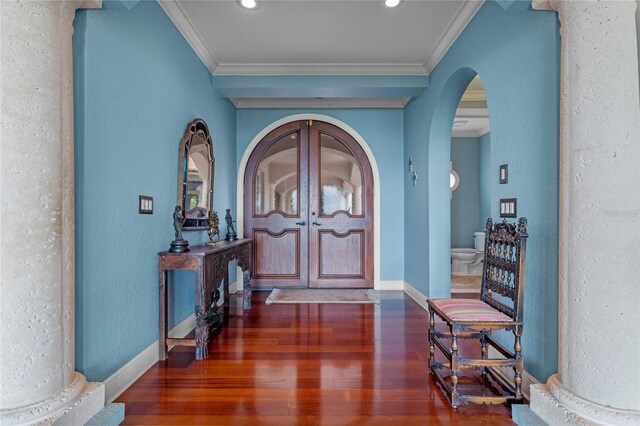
x=315, y=223
x=303, y=223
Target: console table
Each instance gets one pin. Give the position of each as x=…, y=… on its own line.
x=210, y=264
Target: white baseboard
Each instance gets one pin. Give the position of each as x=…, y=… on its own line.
x=388, y=285
x=504, y=373
x=416, y=295
x=119, y=381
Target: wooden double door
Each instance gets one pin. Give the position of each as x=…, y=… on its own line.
x=308, y=206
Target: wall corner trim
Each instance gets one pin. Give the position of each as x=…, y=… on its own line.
x=504, y=373
x=126, y=375
x=459, y=22
x=174, y=11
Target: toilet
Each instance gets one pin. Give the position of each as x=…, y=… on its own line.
x=468, y=261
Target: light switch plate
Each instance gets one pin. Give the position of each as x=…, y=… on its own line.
x=508, y=207
x=145, y=204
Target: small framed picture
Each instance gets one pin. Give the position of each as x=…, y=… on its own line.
x=508, y=207
x=504, y=173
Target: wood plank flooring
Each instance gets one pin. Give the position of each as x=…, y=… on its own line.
x=306, y=365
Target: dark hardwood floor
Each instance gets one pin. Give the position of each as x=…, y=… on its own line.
x=306, y=365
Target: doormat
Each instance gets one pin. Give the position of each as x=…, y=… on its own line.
x=323, y=296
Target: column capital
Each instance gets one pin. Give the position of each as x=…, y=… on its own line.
x=90, y=4
x=571, y=7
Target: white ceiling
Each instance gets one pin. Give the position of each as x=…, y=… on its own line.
x=321, y=37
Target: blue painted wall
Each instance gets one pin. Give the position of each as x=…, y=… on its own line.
x=486, y=184
x=383, y=131
x=516, y=53
x=465, y=203
x=137, y=84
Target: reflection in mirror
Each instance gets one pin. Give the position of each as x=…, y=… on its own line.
x=340, y=178
x=276, y=184
x=197, y=174
x=195, y=182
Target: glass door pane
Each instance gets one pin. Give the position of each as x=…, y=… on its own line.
x=277, y=181
x=340, y=178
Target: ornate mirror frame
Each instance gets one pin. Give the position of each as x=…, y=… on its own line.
x=195, y=219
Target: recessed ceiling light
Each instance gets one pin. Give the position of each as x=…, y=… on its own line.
x=391, y=3
x=248, y=4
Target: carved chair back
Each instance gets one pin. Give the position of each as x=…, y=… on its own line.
x=503, y=276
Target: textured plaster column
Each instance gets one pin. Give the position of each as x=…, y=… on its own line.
x=598, y=381
x=38, y=384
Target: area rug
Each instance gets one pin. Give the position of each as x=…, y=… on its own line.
x=323, y=296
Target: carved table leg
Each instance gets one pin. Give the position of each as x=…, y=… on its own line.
x=202, y=326
x=162, y=334
x=247, y=290
x=227, y=290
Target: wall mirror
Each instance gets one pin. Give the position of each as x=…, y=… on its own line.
x=195, y=175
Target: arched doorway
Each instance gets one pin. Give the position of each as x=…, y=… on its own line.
x=439, y=172
x=308, y=205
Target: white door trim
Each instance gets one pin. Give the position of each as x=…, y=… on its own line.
x=374, y=168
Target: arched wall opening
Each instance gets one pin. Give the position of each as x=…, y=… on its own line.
x=470, y=188
x=438, y=177
x=361, y=141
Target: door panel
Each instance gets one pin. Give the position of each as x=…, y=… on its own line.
x=335, y=248
x=276, y=253
x=276, y=180
x=341, y=210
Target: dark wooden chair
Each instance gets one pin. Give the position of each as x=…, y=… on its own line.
x=500, y=307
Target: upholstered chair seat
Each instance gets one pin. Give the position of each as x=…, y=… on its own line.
x=465, y=311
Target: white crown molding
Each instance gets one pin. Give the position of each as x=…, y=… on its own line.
x=455, y=133
x=474, y=96
x=383, y=103
x=321, y=69
x=174, y=11
x=459, y=22
x=472, y=112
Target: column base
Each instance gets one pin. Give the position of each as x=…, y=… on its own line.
x=557, y=405
x=74, y=405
